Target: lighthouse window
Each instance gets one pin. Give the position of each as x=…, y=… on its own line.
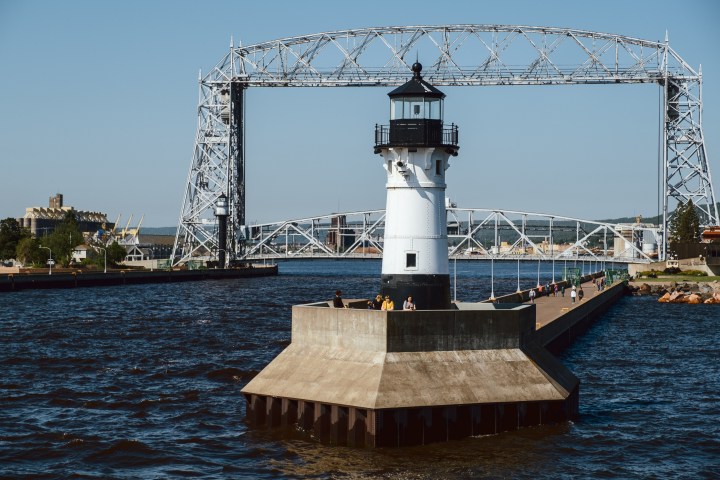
x=438, y=167
x=403, y=108
x=411, y=260
x=432, y=108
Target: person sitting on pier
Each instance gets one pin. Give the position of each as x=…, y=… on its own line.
x=388, y=304
x=408, y=304
x=377, y=303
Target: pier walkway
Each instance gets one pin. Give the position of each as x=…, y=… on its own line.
x=558, y=321
x=550, y=308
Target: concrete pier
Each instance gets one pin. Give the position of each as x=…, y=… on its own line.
x=379, y=379
x=386, y=379
x=78, y=279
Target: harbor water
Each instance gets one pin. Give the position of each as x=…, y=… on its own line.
x=144, y=381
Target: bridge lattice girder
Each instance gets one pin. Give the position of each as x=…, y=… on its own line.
x=474, y=233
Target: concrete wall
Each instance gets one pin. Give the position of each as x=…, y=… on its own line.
x=475, y=327
x=685, y=264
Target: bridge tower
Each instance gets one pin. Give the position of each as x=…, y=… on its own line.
x=416, y=148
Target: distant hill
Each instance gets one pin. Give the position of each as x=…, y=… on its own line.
x=158, y=231
x=657, y=220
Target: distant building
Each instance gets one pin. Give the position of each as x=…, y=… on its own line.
x=339, y=236
x=42, y=221
x=156, y=247
x=80, y=253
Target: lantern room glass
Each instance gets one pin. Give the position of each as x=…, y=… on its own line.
x=416, y=108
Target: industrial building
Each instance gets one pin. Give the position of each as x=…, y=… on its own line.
x=42, y=221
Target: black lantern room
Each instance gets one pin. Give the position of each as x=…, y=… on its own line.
x=416, y=118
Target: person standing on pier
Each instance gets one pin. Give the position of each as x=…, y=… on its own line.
x=581, y=294
x=337, y=301
x=573, y=294
x=532, y=295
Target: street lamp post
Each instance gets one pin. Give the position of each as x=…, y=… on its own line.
x=50, y=261
x=104, y=257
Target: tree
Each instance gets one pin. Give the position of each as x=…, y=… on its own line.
x=685, y=224
x=10, y=235
x=64, y=239
x=28, y=251
x=116, y=253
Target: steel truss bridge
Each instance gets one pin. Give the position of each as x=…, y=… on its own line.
x=473, y=234
x=470, y=55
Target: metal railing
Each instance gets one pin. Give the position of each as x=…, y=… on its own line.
x=416, y=134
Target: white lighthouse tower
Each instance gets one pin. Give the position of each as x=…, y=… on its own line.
x=416, y=148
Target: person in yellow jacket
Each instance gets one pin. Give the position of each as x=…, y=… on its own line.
x=388, y=304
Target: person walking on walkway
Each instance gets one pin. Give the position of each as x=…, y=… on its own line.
x=532, y=295
x=581, y=294
x=573, y=294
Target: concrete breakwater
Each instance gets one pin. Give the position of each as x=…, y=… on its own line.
x=78, y=279
x=680, y=292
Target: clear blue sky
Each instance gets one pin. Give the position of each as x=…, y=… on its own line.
x=98, y=102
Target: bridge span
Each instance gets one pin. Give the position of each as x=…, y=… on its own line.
x=473, y=234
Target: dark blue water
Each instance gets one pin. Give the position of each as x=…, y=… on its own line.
x=144, y=382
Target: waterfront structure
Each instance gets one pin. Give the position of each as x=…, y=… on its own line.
x=42, y=221
x=445, y=371
x=468, y=55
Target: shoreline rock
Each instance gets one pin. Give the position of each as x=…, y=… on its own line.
x=693, y=293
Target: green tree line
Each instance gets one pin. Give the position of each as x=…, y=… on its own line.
x=16, y=242
x=685, y=224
